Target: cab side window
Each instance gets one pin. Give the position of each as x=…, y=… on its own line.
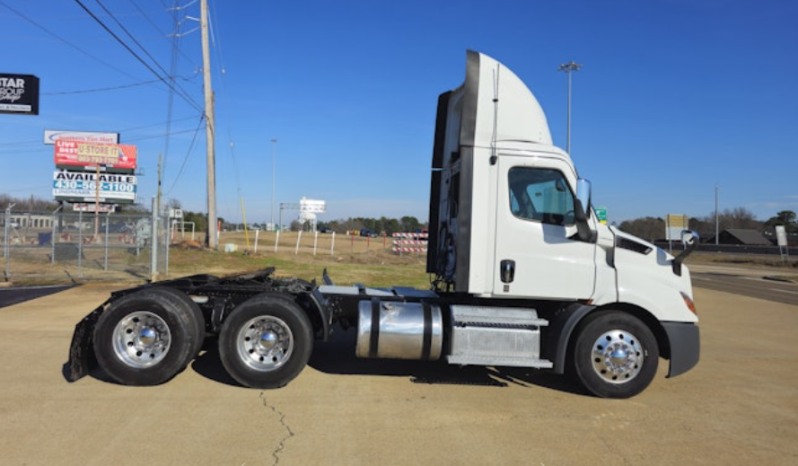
x=541, y=195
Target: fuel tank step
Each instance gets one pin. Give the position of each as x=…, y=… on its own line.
x=490, y=336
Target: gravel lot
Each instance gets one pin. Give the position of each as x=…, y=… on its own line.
x=738, y=406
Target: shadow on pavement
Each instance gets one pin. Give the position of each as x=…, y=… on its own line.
x=337, y=356
x=16, y=295
x=209, y=365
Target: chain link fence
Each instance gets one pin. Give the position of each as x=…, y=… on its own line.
x=81, y=245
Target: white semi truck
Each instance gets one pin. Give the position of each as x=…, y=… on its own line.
x=523, y=275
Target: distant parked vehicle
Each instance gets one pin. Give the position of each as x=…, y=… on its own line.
x=365, y=232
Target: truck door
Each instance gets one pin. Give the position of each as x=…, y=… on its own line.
x=537, y=251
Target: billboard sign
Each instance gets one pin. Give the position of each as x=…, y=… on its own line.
x=85, y=187
x=19, y=94
x=70, y=154
x=51, y=136
x=86, y=207
x=781, y=236
x=674, y=225
x=312, y=206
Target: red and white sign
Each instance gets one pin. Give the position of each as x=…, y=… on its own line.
x=88, y=154
x=410, y=242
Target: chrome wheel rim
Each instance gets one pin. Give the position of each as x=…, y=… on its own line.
x=265, y=343
x=617, y=356
x=142, y=339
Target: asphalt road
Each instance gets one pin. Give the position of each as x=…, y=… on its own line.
x=755, y=285
x=738, y=406
x=20, y=294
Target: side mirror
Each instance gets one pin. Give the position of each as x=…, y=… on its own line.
x=690, y=240
x=583, y=194
x=582, y=211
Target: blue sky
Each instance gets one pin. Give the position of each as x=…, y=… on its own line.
x=675, y=97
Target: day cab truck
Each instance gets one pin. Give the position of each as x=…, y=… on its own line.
x=522, y=272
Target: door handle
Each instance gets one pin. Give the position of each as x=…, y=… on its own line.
x=507, y=270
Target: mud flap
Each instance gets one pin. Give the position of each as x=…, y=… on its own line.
x=81, y=352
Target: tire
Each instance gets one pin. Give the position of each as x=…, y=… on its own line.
x=148, y=337
x=266, y=342
x=615, y=355
x=198, y=321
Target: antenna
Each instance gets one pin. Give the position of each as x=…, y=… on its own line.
x=493, y=154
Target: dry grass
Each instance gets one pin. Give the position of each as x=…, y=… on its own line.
x=785, y=269
x=377, y=268
x=353, y=260
x=304, y=243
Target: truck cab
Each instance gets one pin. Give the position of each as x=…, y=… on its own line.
x=511, y=220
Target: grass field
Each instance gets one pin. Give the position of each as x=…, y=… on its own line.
x=377, y=268
x=348, y=260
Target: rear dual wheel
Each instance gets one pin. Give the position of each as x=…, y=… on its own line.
x=266, y=341
x=148, y=337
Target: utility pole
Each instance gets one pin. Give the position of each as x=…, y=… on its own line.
x=211, y=239
x=568, y=68
x=160, y=168
x=274, y=177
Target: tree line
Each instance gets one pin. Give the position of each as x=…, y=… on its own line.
x=389, y=226
x=648, y=228
x=653, y=228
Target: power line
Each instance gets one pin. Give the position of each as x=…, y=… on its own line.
x=158, y=136
x=10, y=152
x=135, y=55
x=143, y=49
x=161, y=33
x=47, y=31
x=39, y=141
x=102, y=89
x=112, y=88
x=172, y=85
x=170, y=99
x=188, y=154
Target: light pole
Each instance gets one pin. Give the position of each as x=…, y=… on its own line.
x=568, y=68
x=274, y=145
x=717, y=217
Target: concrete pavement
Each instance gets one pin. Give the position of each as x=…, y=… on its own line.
x=738, y=406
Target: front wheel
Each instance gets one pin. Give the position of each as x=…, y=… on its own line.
x=615, y=355
x=266, y=342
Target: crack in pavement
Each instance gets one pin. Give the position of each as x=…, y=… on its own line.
x=281, y=444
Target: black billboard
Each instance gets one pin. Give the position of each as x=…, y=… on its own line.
x=19, y=94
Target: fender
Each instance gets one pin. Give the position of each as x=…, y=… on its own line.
x=560, y=330
x=317, y=302
x=81, y=350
